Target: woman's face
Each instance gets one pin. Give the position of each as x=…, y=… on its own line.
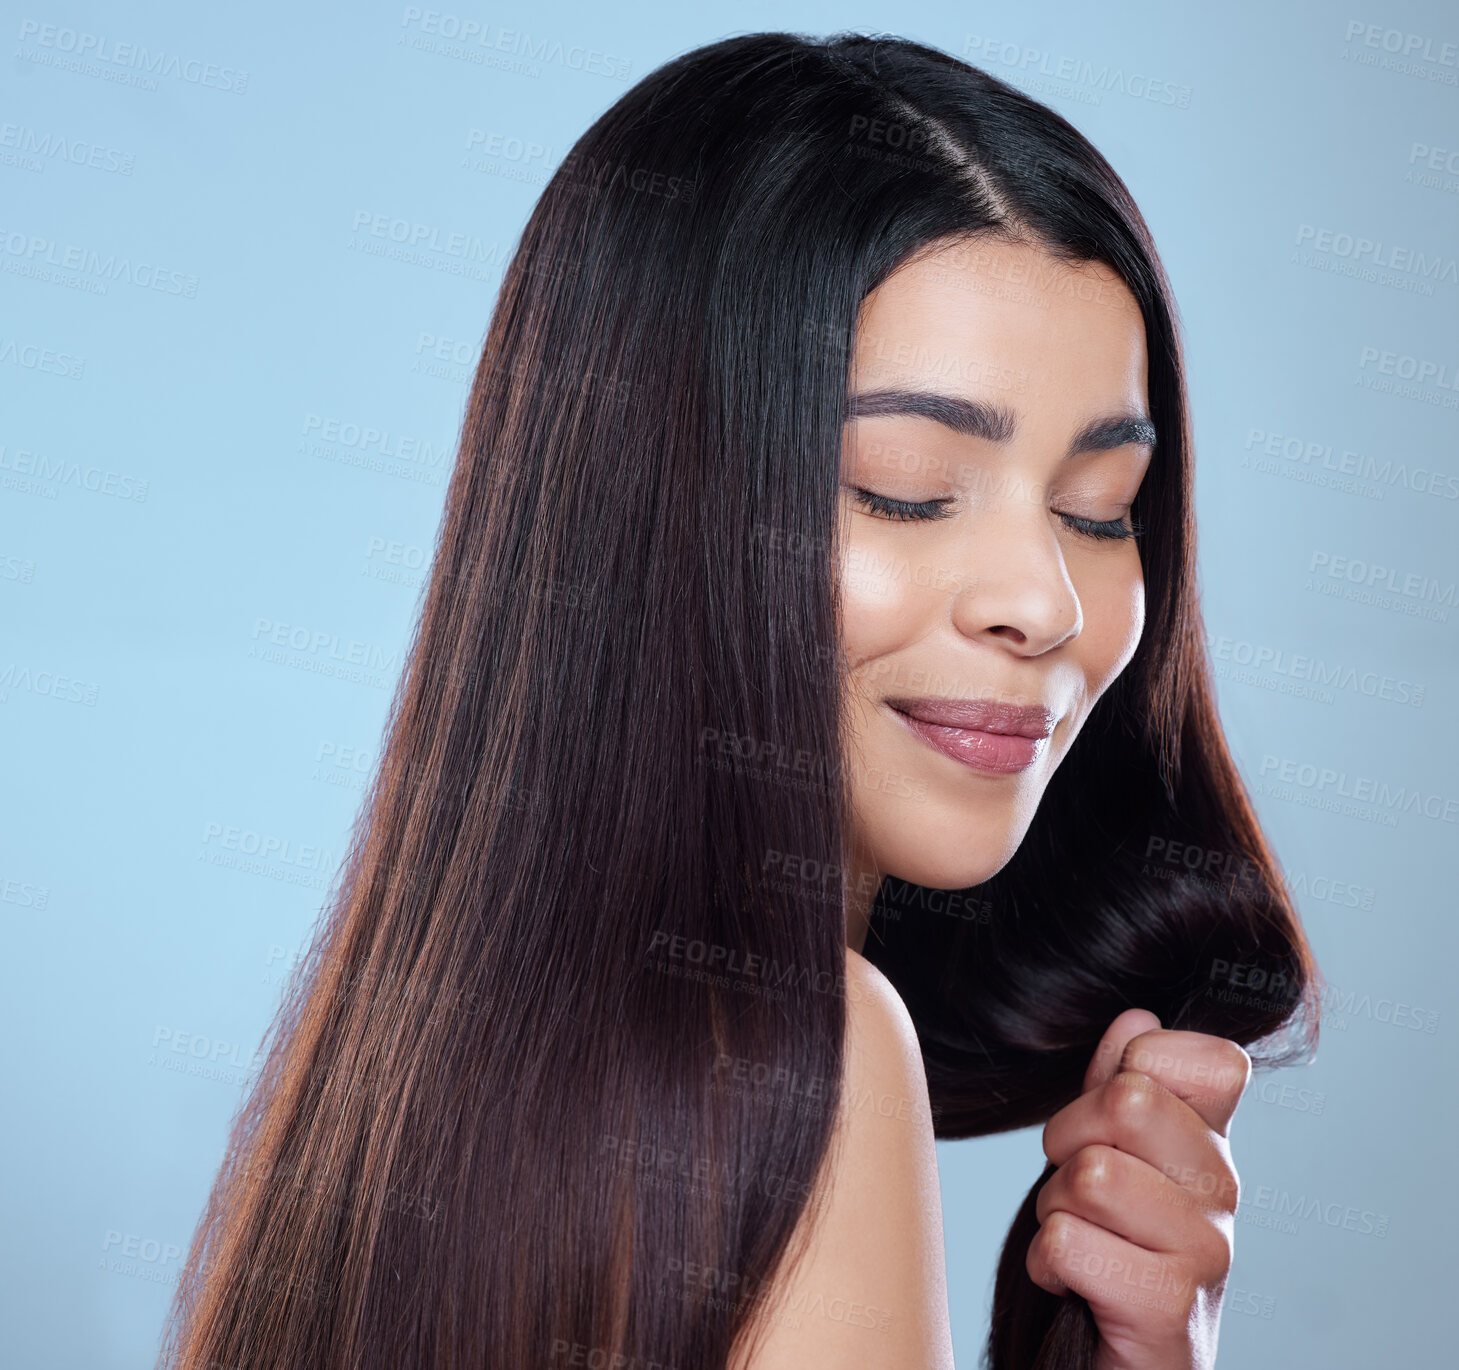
x=994, y=566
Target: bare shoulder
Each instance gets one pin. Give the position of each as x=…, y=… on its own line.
x=881, y=1040
x=870, y=1286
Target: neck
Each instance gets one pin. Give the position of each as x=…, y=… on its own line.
x=859, y=892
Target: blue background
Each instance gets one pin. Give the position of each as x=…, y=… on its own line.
x=249, y=440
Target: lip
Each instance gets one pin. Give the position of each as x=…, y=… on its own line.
x=984, y=734
x=981, y=715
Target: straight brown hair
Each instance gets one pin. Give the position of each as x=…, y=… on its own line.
x=501, y=1119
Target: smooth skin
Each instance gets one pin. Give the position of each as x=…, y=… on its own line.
x=871, y=1288
x=1010, y=596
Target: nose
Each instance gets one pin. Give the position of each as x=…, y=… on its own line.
x=1011, y=585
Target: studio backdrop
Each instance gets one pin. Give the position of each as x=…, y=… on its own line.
x=247, y=260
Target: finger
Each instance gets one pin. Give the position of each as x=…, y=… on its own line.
x=1117, y=1036
x=1210, y=1073
x=1130, y=1198
x=1140, y=1116
x=1123, y=1284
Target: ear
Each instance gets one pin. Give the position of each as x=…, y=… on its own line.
x=1105, y=1062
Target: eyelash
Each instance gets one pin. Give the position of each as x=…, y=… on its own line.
x=906, y=511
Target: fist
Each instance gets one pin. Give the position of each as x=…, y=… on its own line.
x=1139, y=1215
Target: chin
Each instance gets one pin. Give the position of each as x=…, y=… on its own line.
x=951, y=851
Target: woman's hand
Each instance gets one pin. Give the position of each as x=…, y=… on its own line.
x=1139, y=1217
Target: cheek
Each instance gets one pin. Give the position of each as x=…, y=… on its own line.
x=885, y=595
x=1113, y=600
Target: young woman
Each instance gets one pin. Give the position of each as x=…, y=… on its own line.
x=806, y=700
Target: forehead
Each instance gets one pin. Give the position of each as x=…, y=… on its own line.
x=991, y=318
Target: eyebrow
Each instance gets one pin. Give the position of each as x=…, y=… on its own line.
x=993, y=422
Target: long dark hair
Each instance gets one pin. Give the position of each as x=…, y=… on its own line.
x=502, y=1118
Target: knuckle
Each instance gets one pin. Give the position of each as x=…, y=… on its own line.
x=1142, y=1051
x=1090, y=1172
x=1057, y=1235
x=1181, y=1186
x=1127, y=1099
x=1214, y=1251
x=1033, y=1260
x=1230, y=1189
x=1235, y=1065
x=1042, y=1259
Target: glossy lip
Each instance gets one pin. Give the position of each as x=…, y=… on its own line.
x=983, y=734
x=982, y=715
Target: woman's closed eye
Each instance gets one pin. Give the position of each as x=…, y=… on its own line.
x=1116, y=529
x=904, y=511
x=912, y=511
